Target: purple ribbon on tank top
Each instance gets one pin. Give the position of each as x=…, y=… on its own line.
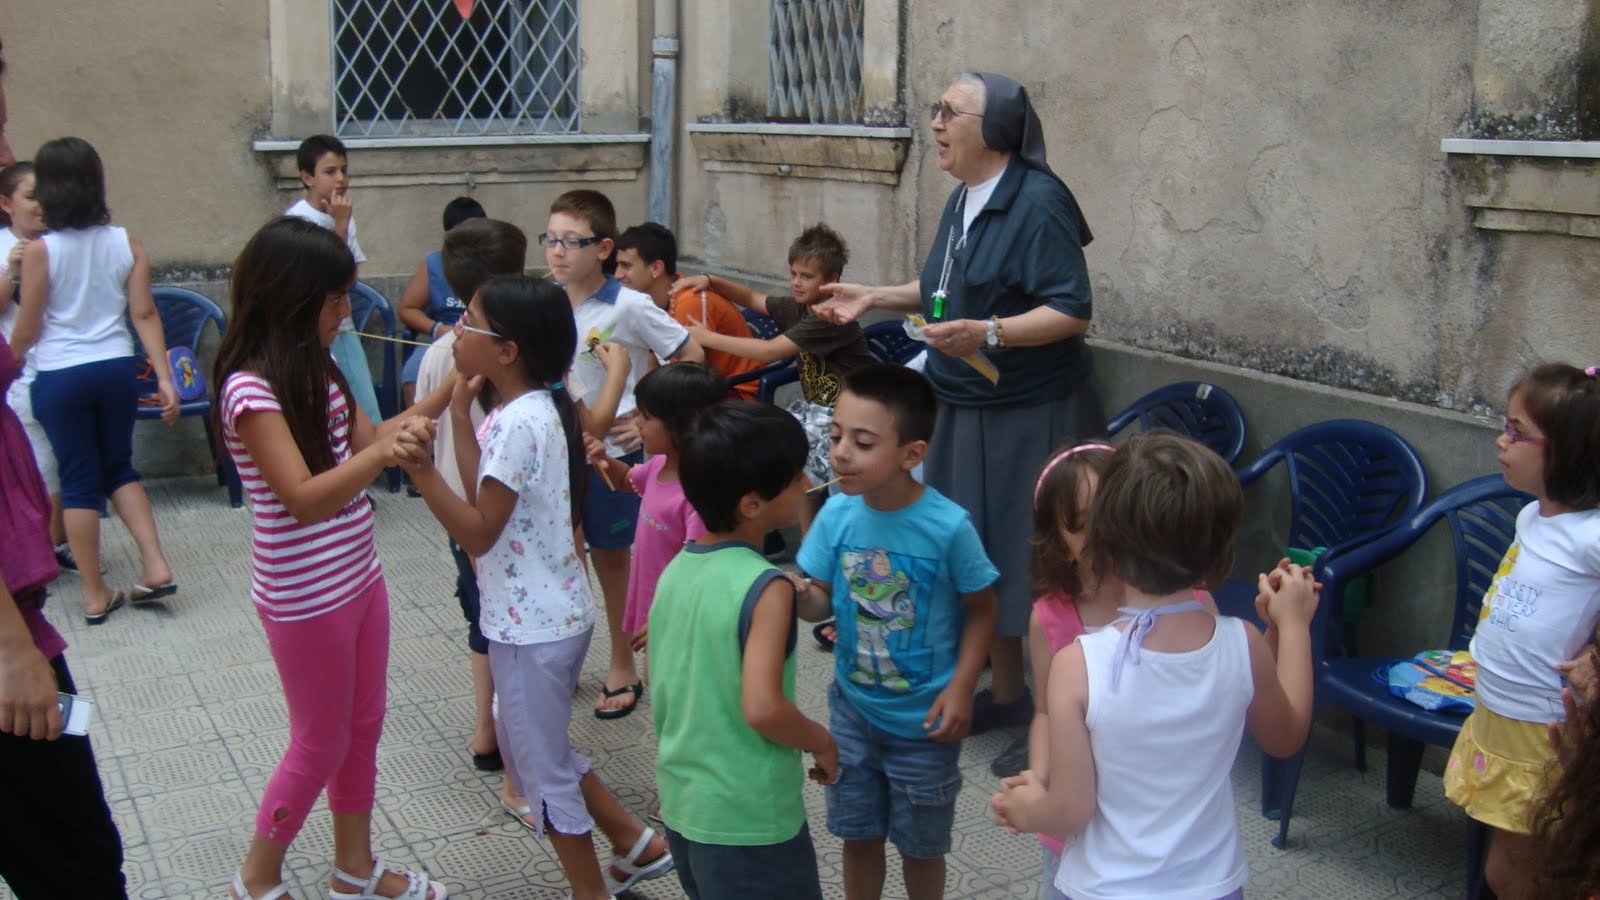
x=1143, y=619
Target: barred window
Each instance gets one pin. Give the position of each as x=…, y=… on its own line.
x=814, y=68
x=422, y=68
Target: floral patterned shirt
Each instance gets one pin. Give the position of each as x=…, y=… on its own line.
x=534, y=588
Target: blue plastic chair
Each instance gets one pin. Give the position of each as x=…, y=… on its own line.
x=1348, y=481
x=1482, y=516
x=1197, y=409
x=771, y=376
x=184, y=317
x=889, y=342
x=365, y=301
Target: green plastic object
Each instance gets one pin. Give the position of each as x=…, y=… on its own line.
x=1357, y=594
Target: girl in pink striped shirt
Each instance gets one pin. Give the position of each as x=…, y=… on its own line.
x=306, y=454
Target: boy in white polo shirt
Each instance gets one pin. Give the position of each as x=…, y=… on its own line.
x=578, y=242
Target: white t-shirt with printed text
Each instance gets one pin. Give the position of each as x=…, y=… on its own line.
x=1540, y=609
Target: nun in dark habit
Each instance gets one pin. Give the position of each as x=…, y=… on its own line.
x=1005, y=276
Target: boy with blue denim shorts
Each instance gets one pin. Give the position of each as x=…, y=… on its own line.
x=905, y=576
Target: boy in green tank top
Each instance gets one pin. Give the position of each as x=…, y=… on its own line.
x=722, y=638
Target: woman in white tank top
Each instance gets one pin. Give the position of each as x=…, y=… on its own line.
x=80, y=284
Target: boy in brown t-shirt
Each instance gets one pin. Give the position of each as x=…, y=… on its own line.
x=827, y=352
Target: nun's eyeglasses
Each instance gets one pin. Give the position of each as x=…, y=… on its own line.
x=944, y=112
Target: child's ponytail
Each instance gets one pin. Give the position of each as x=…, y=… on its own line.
x=577, y=477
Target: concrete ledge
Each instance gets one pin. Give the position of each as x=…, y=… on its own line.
x=846, y=153
x=532, y=158
x=1490, y=147
x=1532, y=192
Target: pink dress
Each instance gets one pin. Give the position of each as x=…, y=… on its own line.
x=666, y=523
x=27, y=558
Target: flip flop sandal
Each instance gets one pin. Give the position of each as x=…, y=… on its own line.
x=141, y=595
x=634, y=872
x=521, y=814
x=417, y=886
x=823, y=641
x=119, y=599
x=636, y=689
x=240, y=893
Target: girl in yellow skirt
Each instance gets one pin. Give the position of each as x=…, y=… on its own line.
x=1539, y=612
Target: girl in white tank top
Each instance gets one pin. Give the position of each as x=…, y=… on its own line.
x=79, y=284
x=1146, y=716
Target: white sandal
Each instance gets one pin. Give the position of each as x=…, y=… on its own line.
x=629, y=866
x=417, y=886
x=240, y=893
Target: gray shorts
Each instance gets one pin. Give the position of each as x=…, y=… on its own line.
x=534, y=684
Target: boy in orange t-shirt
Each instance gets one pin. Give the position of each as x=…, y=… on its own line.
x=647, y=261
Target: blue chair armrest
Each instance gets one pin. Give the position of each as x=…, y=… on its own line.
x=774, y=380
x=1259, y=466
x=1123, y=420
x=758, y=374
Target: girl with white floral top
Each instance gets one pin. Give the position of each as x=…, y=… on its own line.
x=536, y=609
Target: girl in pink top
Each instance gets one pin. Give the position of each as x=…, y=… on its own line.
x=668, y=398
x=1061, y=497
x=306, y=455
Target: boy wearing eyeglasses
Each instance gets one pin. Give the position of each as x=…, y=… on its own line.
x=578, y=242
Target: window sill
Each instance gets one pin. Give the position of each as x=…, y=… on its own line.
x=1530, y=187
x=852, y=153
x=492, y=159
x=1487, y=147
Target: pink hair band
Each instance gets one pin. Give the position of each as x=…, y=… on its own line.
x=1592, y=371
x=1050, y=466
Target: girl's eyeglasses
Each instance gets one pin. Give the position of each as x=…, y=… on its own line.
x=1516, y=435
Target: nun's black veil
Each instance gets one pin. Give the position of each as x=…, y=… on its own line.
x=1010, y=124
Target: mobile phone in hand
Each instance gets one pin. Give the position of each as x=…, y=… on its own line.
x=76, y=712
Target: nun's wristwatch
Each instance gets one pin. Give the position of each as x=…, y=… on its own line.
x=992, y=332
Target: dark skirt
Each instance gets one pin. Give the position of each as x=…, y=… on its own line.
x=987, y=459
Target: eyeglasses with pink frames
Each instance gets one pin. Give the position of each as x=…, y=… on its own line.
x=1517, y=436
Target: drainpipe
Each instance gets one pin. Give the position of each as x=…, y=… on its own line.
x=663, y=109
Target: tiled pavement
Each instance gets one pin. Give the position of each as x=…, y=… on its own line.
x=192, y=723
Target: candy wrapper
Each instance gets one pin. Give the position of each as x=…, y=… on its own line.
x=915, y=324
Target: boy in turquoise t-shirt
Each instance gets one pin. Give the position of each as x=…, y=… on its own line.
x=722, y=637
x=904, y=574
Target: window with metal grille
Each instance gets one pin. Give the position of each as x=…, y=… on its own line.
x=434, y=68
x=814, y=69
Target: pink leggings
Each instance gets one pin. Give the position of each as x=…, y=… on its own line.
x=333, y=667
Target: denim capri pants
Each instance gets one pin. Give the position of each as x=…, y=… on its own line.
x=87, y=412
